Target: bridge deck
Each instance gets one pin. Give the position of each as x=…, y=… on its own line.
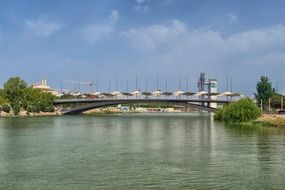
x=139, y=100
x=203, y=104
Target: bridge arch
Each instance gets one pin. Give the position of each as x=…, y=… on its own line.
x=106, y=103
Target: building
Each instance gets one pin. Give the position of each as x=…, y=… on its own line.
x=201, y=82
x=212, y=91
x=210, y=85
x=44, y=87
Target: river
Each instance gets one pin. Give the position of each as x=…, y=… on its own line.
x=138, y=151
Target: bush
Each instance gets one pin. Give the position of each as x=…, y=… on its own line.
x=33, y=109
x=49, y=109
x=243, y=110
x=30, y=109
x=16, y=109
x=219, y=114
x=276, y=101
x=37, y=109
x=6, y=108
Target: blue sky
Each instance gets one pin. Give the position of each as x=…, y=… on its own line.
x=104, y=39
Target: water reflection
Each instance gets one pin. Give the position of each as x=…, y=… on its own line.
x=187, y=151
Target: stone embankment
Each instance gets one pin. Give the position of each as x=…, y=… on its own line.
x=25, y=114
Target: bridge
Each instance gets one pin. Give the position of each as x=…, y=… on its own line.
x=82, y=105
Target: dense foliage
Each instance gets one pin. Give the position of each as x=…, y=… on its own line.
x=264, y=91
x=16, y=108
x=14, y=89
x=2, y=97
x=276, y=101
x=18, y=96
x=6, y=107
x=244, y=110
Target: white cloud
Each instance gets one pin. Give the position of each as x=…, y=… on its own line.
x=114, y=16
x=177, y=37
x=141, y=5
x=153, y=36
x=95, y=32
x=41, y=27
x=232, y=17
x=180, y=49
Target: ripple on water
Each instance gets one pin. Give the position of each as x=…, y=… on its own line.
x=189, y=151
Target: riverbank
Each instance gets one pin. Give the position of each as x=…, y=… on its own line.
x=265, y=120
x=271, y=120
x=28, y=114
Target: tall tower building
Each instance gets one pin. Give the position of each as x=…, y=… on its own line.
x=201, y=82
x=212, y=89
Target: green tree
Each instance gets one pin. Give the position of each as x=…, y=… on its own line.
x=31, y=97
x=2, y=100
x=35, y=100
x=19, y=96
x=2, y=97
x=276, y=101
x=46, y=102
x=264, y=91
x=14, y=89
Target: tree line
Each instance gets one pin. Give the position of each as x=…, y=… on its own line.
x=246, y=110
x=17, y=96
x=267, y=97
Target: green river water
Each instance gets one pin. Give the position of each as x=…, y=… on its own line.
x=138, y=151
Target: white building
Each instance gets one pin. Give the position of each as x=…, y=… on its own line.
x=44, y=87
x=212, y=91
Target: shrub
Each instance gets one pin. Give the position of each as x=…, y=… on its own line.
x=30, y=108
x=33, y=109
x=243, y=110
x=49, y=109
x=219, y=114
x=16, y=109
x=6, y=108
x=37, y=109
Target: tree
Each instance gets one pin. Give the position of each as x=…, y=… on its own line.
x=35, y=100
x=46, y=103
x=19, y=96
x=264, y=91
x=31, y=97
x=2, y=97
x=2, y=100
x=13, y=89
x=276, y=101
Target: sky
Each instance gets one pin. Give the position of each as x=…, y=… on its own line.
x=105, y=40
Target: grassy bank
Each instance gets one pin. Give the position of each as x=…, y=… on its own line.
x=265, y=120
x=271, y=120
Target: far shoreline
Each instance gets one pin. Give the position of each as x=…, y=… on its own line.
x=265, y=120
x=23, y=114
